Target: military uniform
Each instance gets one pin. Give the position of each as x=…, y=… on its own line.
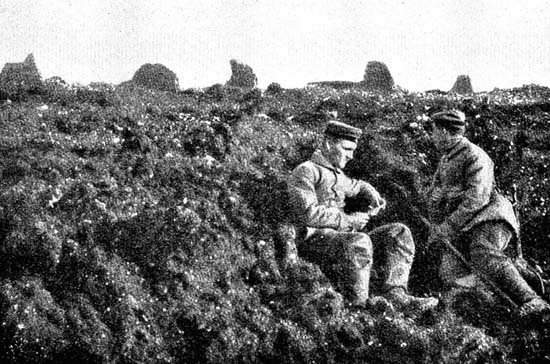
x=463, y=193
x=317, y=196
x=468, y=210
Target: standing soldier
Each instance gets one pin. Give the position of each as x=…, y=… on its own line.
x=338, y=242
x=467, y=210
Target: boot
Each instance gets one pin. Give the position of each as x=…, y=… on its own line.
x=531, y=276
x=509, y=279
x=379, y=304
x=402, y=300
x=534, y=306
x=285, y=245
x=361, y=286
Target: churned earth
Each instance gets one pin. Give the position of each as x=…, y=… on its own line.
x=142, y=226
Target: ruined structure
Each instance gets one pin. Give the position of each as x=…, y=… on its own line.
x=20, y=77
x=377, y=77
x=156, y=77
x=242, y=76
x=463, y=85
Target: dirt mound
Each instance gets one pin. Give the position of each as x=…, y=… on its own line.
x=242, y=75
x=4, y=96
x=145, y=226
x=463, y=85
x=274, y=88
x=341, y=85
x=156, y=77
x=56, y=80
x=22, y=77
x=378, y=77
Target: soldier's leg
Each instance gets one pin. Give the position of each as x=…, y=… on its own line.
x=345, y=258
x=488, y=241
x=394, y=249
x=452, y=271
x=393, y=255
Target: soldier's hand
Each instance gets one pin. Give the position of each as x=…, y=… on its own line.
x=377, y=199
x=358, y=220
x=381, y=204
x=375, y=210
x=439, y=233
x=432, y=239
x=374, y=196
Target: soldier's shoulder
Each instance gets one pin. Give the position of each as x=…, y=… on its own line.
x=304, y=165
x=477, y=151
x=307, y=168
x=304, y=168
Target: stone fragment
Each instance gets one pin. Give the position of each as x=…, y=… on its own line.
x=378, y=77
x=20, y=77
x=463, y=85
x=242, y=75
x=157, y=77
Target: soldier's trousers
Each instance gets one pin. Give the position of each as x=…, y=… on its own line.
x=484, y=246
x=349, y=258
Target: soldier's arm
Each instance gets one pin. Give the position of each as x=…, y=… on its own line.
x=432, y=195
x=479, y=179
x=361, y=188
x=436, y=181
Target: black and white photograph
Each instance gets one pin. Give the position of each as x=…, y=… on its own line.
x=274, y=182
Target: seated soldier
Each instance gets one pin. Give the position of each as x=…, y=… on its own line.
x=467, y=210
x=338, y=242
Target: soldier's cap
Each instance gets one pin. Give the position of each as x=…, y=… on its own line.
x=451, y=119
x=341, y=130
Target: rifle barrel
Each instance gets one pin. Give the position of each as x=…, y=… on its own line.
x=480, y=274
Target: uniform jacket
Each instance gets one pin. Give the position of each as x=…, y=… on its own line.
x=463, y=192
x=318, y=191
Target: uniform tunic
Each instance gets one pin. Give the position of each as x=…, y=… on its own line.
x=463, y=192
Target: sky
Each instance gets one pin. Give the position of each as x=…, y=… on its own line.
x=426, y=44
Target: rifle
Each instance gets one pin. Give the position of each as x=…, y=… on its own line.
x=529, y=273
x=448, y=244
x=481, y=275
